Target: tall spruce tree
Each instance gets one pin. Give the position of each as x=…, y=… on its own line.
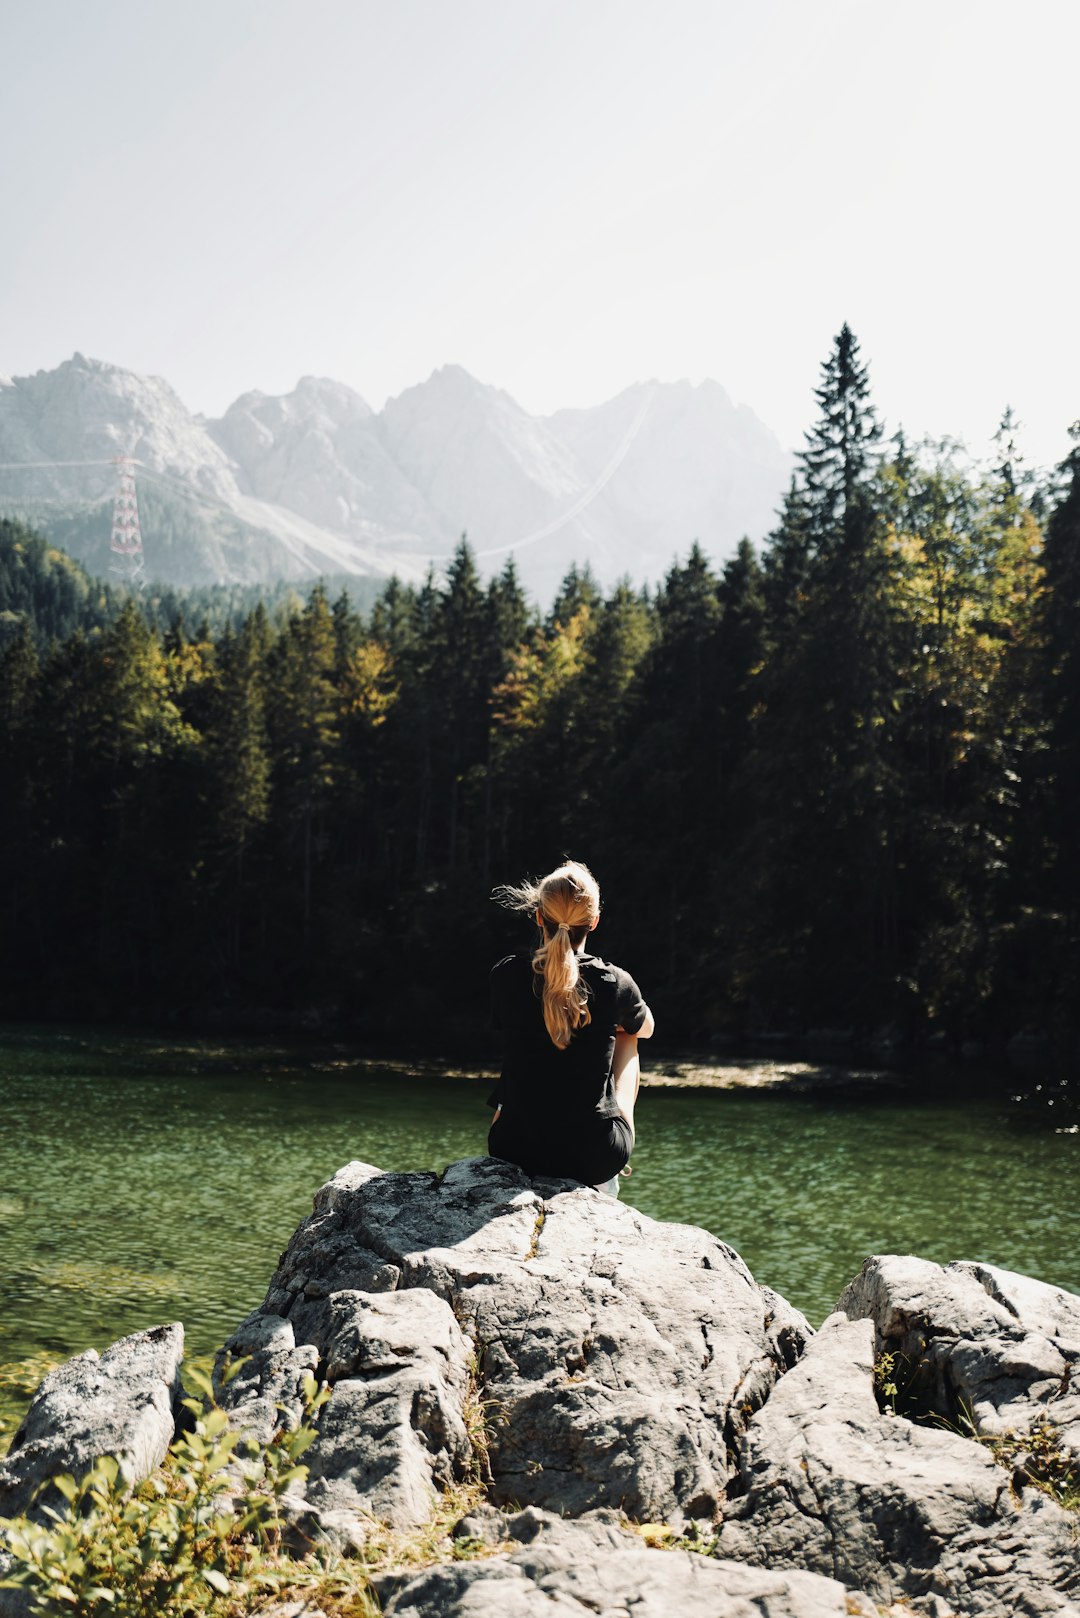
x=668, y=774
x=820, y=874
x=1061, y=683
x=238, y=769
x=304, y=716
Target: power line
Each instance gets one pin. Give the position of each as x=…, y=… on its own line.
x=581, y=504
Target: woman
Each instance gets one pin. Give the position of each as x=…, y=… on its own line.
x=570, y=1024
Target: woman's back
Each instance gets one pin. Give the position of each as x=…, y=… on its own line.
x=536, y=1075
x=562, y=1014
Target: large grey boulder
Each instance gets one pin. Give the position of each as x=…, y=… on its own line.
x=833, y=1484
x=976, y=1344
x=577, y=1356
x=558, y=1569
x=617, y=1358
x=122, y=1402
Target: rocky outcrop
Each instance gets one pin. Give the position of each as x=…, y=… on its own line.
x=394, y=1431
x=595, y=1566
x=580, y=1361
x=122, y=1403
x=314, y=482
x=975, y=1344
x=616, y=1359
x=832, y=1483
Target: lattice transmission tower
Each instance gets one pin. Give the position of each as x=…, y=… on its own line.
x=125, y=542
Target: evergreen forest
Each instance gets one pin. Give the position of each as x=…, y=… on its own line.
x=832, y=784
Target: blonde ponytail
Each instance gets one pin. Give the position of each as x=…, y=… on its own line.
x=567, y=904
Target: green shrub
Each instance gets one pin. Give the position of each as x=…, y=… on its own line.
x=202, y=1536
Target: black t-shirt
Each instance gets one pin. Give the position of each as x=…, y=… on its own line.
x=539, y=1081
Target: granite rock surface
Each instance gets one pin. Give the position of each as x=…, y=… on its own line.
x=122, y=1402
x=616, y=1359
x=589, y=1367
x=832, y=1483
x=557, y=1569
x=976, y=1345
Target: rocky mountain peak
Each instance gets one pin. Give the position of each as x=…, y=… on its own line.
x=332, y=485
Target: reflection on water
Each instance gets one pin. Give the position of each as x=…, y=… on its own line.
x=141, y=1183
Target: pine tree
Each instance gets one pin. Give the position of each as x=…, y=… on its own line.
x=305, y=727
x=1061, y=680
x=667, y=774
x=578, y=589
x=819, y=877
x=19, y=687
x=238, y=762
x=787, y=563
x=840, y=454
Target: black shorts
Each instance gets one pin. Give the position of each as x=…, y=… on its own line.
x=592, y=1151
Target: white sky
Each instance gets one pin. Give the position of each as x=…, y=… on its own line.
x=564, y=196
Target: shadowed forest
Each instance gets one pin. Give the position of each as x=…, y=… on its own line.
x=834, y=784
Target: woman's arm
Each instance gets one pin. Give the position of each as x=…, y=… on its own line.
x=626, y=1074
x=626, y=1066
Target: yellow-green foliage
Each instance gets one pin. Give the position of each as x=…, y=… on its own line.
x=202, y=1536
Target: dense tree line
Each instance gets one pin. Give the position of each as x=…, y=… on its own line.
x=831, y=785
x=46, y=591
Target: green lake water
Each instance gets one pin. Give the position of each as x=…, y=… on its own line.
x=143, y=1181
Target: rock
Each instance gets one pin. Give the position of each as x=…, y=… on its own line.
x=14, y=1603
x=579, y=1358
x=593, y=1566
x=832, y=1484
x=617, y=1358
x=975, y=1343
x=291, y=1609
x=394, y=1429
x=265, y=1392
x=120, y=1403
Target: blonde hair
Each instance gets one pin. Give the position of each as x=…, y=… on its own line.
x=568, y=901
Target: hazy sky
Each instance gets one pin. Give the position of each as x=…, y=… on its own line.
x=564, y=196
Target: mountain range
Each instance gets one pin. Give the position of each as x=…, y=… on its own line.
x=316, y=482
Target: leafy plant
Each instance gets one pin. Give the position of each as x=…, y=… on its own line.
x=202, y=1536
x=903, y=1386
x=885, y=1387
x=1037, y=1456
x=481, y=1416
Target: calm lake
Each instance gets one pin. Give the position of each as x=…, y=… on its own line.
x=143, y=1181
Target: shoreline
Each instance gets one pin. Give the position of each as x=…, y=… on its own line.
x=794, y=1070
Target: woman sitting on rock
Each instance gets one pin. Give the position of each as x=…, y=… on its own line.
x=570, y=1024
